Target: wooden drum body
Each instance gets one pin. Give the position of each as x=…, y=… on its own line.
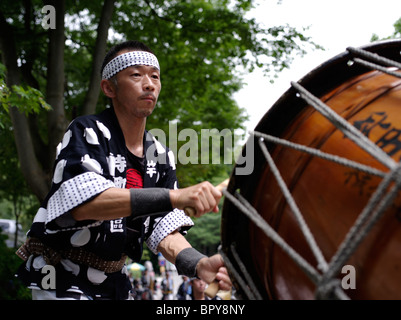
x=331, y=196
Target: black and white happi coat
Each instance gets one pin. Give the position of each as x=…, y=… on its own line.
x=91, y=158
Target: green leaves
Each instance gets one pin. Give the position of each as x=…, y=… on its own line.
x=25, y=98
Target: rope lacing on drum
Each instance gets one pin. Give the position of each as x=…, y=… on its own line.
x=324, y=277
x=322, y=264
x=247, y=283
x=348, y=129
x=375, y=58
x=326, y=288
x=318, y=153
x=379, y=201
x=250, y=290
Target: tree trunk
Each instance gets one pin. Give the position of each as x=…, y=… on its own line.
x=30, y=167
x=92, y=95
x=37, y=178
x=56, y=120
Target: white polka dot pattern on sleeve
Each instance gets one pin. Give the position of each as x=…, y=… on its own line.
x=171, y=222
x=75, y=191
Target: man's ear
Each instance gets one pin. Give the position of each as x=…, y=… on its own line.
x=108, y=88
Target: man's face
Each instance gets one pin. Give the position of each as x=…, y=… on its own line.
x=137, y=90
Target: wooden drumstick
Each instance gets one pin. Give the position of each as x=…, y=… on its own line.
x=212, y=289
x=189, y=211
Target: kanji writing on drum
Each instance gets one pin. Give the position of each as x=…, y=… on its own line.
x=389, y=137
x=360, y=180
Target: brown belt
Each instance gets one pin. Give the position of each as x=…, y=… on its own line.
x=77, y=255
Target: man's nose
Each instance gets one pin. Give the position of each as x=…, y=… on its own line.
x=148, y=84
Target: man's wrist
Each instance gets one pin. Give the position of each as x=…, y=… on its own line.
x=173, y=197
x=149, y=201
x=187, y=260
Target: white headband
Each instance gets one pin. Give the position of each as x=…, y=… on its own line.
x=129, y=59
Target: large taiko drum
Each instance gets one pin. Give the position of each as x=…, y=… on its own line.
x=312, y=209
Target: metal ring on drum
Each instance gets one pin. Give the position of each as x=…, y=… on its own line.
x=318, y=217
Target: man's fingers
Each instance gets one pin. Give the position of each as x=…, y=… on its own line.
x=209, y=198
x=202, y=198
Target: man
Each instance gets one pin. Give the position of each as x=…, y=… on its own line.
x=184, y=290
x=167, y=287
x=114, y=187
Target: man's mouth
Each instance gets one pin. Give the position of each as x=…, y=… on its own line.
x=149, y=97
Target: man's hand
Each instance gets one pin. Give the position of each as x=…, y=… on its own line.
x=212, y=269
x=202, y=198
x=209, y=269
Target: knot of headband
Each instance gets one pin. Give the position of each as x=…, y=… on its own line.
x=129, y=59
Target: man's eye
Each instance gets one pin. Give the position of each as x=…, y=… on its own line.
x=135, y=75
